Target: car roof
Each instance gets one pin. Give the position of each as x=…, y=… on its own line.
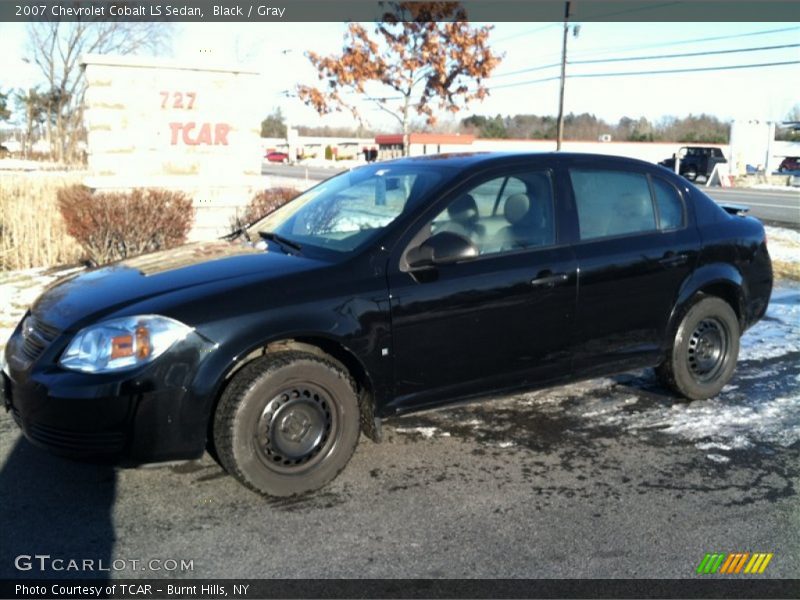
x=464, y=160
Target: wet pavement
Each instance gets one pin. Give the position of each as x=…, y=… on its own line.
x=612, y=477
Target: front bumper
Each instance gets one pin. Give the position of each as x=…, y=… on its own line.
x=127, y=418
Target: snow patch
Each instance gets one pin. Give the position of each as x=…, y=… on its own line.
x=712, y=446
x=719, y=423
x=718, y=458
x=426, y=432
x=783, y=244
x=778, y=333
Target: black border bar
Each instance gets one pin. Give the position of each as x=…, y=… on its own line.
x=705, y=587
x=372, y=10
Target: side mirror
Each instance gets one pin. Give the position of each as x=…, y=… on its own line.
x=443, y=248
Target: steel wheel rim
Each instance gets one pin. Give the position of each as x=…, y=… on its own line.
x=708, y=349
x=297, y=428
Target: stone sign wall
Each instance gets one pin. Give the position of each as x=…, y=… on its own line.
x=187, y=127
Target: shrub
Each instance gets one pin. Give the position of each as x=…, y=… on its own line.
x=32, y=231
x=264, y=202
x=112, y=226
x=328, y=153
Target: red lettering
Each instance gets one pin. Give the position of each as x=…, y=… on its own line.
x=221, y=131
x=183, y=132
x=175, y=128
x=186, y=139
x=204, y=137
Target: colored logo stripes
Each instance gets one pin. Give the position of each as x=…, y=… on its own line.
x=734, y=563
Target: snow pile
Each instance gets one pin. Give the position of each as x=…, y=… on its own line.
x=778, y=333
x=783, y=244
x=18, y=290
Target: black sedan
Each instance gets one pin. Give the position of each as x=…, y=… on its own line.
x=391, y=288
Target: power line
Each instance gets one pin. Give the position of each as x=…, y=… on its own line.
x=635, y=73
x=689, y=70
x=521, y=83
x=682, y=55
x=648, y=57
x=530, y=70
x=608, y=49
x=620, y=74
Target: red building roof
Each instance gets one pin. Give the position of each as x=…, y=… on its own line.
x=425, y=138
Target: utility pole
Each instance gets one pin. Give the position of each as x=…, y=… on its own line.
x=560, y=130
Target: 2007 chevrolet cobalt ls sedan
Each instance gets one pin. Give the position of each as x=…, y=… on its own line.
x=387, y=289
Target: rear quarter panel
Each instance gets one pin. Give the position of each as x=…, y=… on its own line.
x=733, y=254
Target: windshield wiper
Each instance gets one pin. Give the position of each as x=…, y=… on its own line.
x=236, y=234
x=274, y=237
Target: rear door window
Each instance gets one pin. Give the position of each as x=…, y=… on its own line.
x=612, y=203
x=670, y=206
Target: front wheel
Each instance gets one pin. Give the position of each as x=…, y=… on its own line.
x=287, y=423
x=704, y=350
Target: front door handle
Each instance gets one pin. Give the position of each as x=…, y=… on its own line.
x=671, y=259
x=548, y=279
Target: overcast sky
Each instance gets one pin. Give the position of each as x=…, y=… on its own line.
x=276, y=50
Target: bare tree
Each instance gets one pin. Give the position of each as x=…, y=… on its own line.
x=423, y=54
x=57, y=47
x=5, y=112
x=35, y=107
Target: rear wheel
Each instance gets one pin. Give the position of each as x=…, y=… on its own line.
x=288, y=423
x=704, y=350
x=690, y=174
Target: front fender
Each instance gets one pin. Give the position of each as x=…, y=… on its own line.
x=354, y=331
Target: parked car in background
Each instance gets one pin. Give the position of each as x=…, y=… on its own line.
x=387, y=289
x=278, y=157
x=696, y=161
x=789, y=164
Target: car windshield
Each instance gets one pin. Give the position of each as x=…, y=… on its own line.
x=346, y=211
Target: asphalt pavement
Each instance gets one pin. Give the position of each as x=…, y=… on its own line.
x=608, y=478
x=776, y=206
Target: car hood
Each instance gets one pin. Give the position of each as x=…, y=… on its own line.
x=71, y=301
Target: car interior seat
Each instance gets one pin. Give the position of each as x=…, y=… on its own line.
x=464, y=219
x=524, y=217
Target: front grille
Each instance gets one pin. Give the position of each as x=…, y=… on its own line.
x=78, y=441
x=36, y=336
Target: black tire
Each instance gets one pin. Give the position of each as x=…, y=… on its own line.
x=704, y=350
x=691, y=174
x=287, y=423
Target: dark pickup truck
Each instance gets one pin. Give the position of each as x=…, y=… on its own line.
x=695, y=161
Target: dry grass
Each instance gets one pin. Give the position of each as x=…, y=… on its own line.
x=786, y=270
x=32, y=231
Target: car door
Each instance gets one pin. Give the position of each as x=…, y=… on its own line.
x=500, y=320
x=636, y=246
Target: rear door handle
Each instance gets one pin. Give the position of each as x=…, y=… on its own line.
x=670, y=259
x=548, y=279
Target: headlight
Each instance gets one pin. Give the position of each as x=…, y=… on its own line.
x=122, y=343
